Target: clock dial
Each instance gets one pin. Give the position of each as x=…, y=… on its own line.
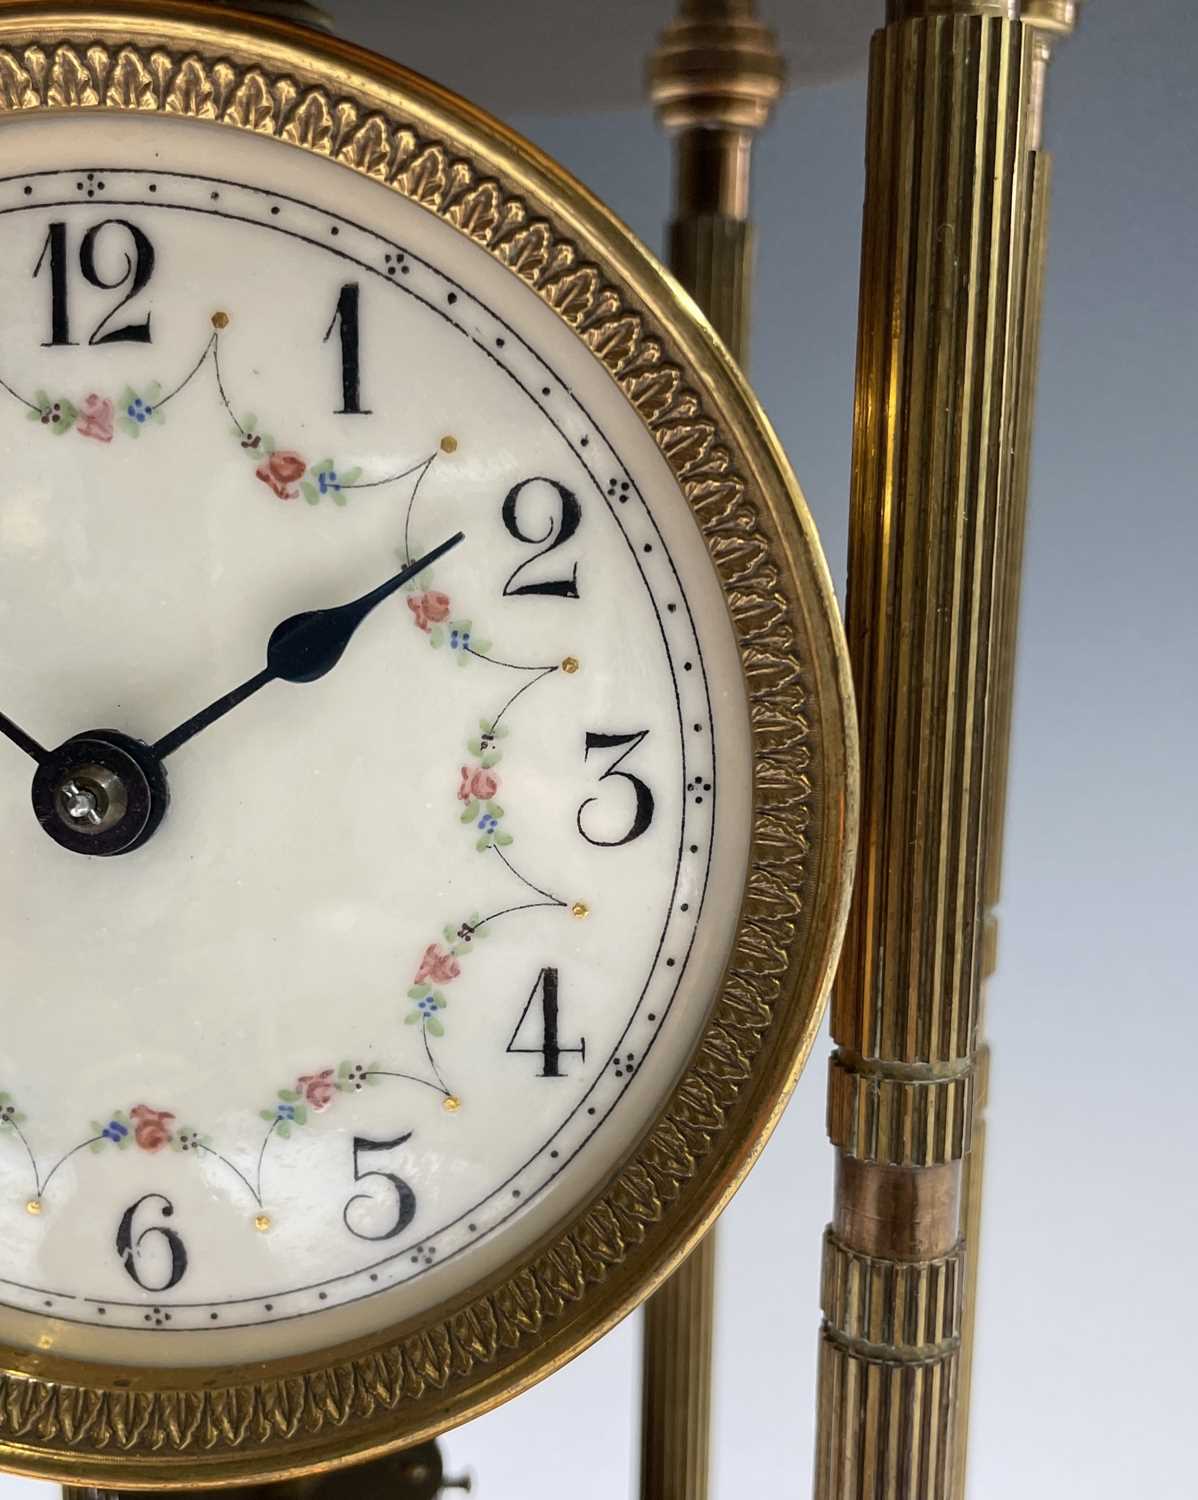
x=344, y=957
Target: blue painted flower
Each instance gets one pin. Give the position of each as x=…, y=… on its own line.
x=286, y=1111
x=115, y=1131
x=487, y=823
x=139, y=410
x=427, y=1006
x=329, y=484
x=459, y=640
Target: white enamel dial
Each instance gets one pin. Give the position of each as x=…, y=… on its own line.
x=418, y=948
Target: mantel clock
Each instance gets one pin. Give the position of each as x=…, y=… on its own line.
x=426, y=770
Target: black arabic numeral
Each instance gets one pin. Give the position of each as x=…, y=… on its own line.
x=404, y=1197
x=345, y=320
x=139, y=267
x=643, y=811
x=55, y=249
x=551, y=1050
x=130, y=1240
x=563, y=523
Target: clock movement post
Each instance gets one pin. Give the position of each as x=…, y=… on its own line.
x=953, y=247
x=713, y=78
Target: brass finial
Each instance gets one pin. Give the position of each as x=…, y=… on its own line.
x=717, y=66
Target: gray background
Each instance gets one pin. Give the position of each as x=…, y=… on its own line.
x=1084, y=1381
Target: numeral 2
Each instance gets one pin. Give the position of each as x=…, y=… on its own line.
x=551, y=1050
x=139, y=267
x=345, y=320
x=562, y=526
x=643, y=811
x=403, y=1198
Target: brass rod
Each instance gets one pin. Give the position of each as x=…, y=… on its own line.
x=1048, y=21
x=713, y=79
x=952, y=248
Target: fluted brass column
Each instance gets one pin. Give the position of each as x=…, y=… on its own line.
x=1047, y=22
x=952, y=247
x=714, y=78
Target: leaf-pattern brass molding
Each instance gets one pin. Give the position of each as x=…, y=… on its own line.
x=520, y=1327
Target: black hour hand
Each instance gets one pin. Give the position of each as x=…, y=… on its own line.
x=304, y=647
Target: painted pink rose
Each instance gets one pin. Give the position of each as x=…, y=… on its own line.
x=151, y=1127
x=95, y=418
x=318, y=1089
x=437, y=966
x=429, y=608
x=282, y=470
x=477, y=784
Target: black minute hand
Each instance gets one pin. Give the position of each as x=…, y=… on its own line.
x=303, y=648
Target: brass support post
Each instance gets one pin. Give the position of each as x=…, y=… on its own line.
x=713, y=79
x=952, y=254
x=1047, y=21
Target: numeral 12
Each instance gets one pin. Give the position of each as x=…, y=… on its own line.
x=139, y=267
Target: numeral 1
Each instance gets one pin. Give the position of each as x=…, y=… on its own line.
x=551, y=1050
x=345, y=320
x=60, y=317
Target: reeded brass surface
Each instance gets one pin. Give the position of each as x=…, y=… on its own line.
x=676, y=1380
x=145, y=1427
x=714, y=57
x=943, y=400
x=1047, y=21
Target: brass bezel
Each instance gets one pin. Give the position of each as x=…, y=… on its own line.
x=132, y=1427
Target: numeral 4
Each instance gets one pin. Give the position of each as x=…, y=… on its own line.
x=550, y=1050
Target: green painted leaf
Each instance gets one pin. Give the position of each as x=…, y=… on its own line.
x=301, y=1114
x=495, y=810
x=484, y=843
x=418, y=991
x=129, y=426
x=436, y=636
x=339, y=498
x=344, y=1069
x=470, y=812
x=284, y=1130
x=267, y=1114
x=41, y=398
x=33, y=416
x=288, y=1096
x=503, y=839
x=310, y=493
x=435, y=1026
x=475, y=747
x=325, y=466
x=351, y=476
x=410, y=1020
x=492, y=758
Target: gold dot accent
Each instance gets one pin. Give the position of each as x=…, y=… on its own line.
x=262, y=1223
x=580, y=909
x=449, y=445
x=451, y=1103
x=571, y=664
x=34, y=1206
x=220, y=320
